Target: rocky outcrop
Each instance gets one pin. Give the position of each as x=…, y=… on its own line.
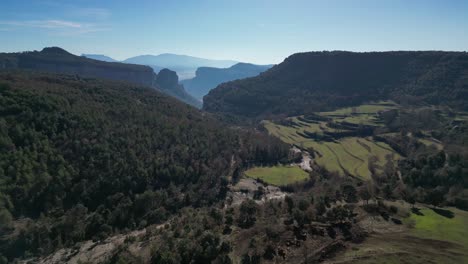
x=168, y=82
x=208, y=78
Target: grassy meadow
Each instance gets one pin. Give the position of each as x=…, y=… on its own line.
x=278, y=175
x=429, y=237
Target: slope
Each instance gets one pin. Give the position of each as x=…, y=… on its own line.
x=319, y=81
x=86, y=158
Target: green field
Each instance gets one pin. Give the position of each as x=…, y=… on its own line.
x=430, y=238
x=435, y=226
x=278, y=175
x=347, y=155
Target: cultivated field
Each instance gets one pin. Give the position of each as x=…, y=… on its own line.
x=338, y=139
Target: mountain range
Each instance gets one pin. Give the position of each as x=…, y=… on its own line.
x=197, y=75
x=99, y=57
x=207, y=78
x=57, y=60
x=184, y=65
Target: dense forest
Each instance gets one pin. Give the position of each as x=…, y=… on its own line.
x=84, y=158
x=317, y=81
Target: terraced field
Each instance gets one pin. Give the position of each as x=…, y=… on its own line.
x=344, y=154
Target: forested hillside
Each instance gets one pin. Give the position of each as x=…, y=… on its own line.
x=57, y=60
x=318, y=81
x=85, y=158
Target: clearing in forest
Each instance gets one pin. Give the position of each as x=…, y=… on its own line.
x=427, y=236
x=278, y=175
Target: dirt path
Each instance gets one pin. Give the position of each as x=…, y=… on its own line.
x=305, y=163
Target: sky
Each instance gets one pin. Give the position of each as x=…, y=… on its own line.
x=257, y=31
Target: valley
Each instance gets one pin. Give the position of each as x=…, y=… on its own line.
x=99, y=167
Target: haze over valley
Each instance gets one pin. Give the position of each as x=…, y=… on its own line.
x=233, y=132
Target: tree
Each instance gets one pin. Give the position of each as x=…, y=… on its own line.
x=350, y=193
x=364, y=194
x=436, y=196
x=247, y=212
x=289, y=202
x=5, y=219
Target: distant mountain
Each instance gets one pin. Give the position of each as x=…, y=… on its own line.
x=170, y=60
x=168, y=82
x=184, y=65
x=99, y=57
x=57, y=60
x=208, y=78
x=316, y=81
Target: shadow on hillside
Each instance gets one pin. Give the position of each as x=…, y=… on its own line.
x=416, y=211
x=444, y=212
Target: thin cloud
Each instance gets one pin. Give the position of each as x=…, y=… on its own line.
x=43, y=24
x=71, y=27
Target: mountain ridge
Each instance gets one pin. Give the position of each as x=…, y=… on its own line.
x=58, y=60
x=317, y=81
x=100, y=57
x=178, y=60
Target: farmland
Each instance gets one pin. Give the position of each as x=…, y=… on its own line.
x=340, y=140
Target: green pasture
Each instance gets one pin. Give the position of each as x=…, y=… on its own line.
x=278, y=175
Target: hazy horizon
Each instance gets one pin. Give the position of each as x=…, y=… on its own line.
x=261, y=32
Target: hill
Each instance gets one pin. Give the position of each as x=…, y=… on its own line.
x=88, y=158
x=99, y=57
x=207, y=78
x=184, y=65
x=57, y=60
x=318, y=81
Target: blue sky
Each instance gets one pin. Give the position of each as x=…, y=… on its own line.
x=257, y=31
